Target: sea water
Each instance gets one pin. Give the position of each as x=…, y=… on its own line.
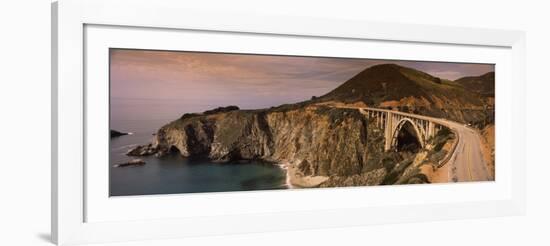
x=176, y=174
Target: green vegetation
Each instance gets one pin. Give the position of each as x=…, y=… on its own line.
x=338, y=115
x=441, y=138
x=392, y=82
x=289, y=107
x=404, y=173
x=221, y=110
x=414, y=177
x=437, y=153
x=394, y=174
x=188, y=116
x=484, y=84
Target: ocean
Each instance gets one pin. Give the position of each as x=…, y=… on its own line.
x=176, y=174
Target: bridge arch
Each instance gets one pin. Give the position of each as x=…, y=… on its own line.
x=420, y=135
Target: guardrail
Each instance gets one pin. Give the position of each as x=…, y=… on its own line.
x=446, y=159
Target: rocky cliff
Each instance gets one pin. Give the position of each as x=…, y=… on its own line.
x=318, y=141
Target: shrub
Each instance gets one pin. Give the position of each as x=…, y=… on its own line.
x=188, y=115
x=221, y=110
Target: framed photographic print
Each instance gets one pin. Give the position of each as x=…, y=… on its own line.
x=214, y=122
x=170, y=125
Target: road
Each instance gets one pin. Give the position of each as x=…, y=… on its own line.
x=467, y=162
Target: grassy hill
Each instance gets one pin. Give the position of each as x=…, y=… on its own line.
x=390, y=82
x=406, y=89
x=484, y=84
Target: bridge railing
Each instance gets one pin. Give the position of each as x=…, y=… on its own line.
x=414, y=116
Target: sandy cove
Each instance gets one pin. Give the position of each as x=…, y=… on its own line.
x=295, y=178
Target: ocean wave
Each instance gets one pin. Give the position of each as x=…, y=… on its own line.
x=125, y=147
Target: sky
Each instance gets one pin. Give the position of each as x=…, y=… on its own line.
x=166, y=84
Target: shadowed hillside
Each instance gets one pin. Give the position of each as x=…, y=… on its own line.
x=484, y=84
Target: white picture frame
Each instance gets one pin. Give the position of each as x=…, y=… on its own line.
x=79, y=216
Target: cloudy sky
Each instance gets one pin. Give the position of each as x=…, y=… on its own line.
x=164, y=84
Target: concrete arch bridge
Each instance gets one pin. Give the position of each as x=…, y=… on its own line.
x=393, y=121
x=464, y=161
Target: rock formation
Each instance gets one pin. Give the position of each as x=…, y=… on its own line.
x=115, y=133
x=134, y=162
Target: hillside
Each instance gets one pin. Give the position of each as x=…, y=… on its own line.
x=484, y=84
x=409, y=90
x=389, y=82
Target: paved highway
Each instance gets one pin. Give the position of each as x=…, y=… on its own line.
x=467, y=163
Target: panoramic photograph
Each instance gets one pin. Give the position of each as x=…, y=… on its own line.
x=191, y=122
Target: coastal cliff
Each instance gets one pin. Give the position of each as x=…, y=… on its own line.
x=312, y=141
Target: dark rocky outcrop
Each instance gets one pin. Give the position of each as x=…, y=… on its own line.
x=134, y=162
x=221, y=110
x=142, y=150
x=115, y=133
